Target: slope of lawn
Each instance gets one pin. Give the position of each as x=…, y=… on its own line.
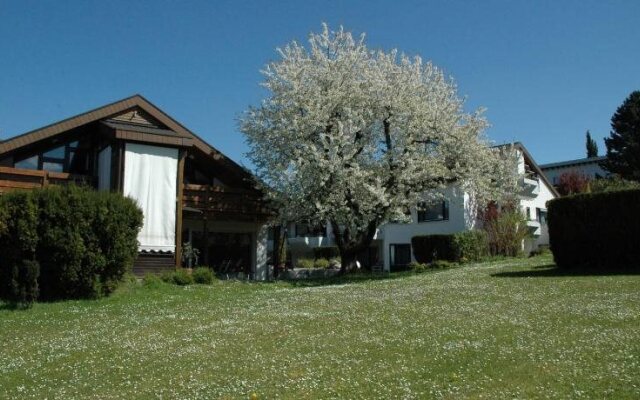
x=504, y=329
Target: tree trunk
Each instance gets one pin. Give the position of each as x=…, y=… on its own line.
x=350, y=247
x=348, y=259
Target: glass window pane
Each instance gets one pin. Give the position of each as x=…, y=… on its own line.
x=58, y=152
x=73, y=144
x=437, y=211
x=27, y=163
x=52, y=166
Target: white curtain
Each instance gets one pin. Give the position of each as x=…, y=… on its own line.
x=150, y=178
x=104, y=169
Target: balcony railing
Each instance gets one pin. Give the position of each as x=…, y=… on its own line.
x=530, y=185
x=26, y=179
x=216, y=200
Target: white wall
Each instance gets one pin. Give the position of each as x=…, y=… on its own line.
x=540, y=201
x=401, y=233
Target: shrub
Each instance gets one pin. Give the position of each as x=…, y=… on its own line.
x=304, y=263
x=470, y=245
x=418, y=267
x=167, y=276
x=23, y=288
x=84, y=240
x=327, y=252
x=596, y=231
x=152, y=281
x=322, y=263
x=459, y=247
x=441, y=264
x=335, y=263
x=506, y=229
x=181, y=277
x=203, y=275
x=433, y=247
x=612, y=184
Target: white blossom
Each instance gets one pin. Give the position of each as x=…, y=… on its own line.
x=356, y=136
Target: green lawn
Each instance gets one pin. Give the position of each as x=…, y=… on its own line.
x=507, y=329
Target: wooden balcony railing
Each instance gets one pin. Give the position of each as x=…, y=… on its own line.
x=216, y=200
x=17, y=178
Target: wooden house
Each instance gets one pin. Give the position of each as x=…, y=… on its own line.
x=189, y=191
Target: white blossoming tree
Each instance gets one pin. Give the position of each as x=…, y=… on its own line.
x=356, y=137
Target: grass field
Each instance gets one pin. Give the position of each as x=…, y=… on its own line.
x=505, y=329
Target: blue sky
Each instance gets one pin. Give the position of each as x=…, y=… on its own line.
x=546, y=71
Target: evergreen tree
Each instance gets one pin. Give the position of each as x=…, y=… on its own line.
x=623, y=145
x=592, y=146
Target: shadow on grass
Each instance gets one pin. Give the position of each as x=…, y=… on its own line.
x=13, y=307
x=550, y=270
x=343, y=279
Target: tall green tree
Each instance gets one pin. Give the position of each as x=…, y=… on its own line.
x=623, y=144
x=592, y=146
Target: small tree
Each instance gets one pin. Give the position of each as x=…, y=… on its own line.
x=623, y=145
x=356, y=137
x=506, y=229
x=592, y=146
x=573, y=182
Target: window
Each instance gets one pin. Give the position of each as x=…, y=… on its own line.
x=542, y=215
x=400, y=255
x=58, y=152
x=433, y=211
x=53, y=166
x=57, y=159
x=306, y=230
x=27, y=163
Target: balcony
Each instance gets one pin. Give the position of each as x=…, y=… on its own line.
x=534, y=227
x=529, y=185
x=222, y=203
x=27, y=179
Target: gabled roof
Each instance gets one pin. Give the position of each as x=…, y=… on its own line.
x=532, y=164
x=579, y=161
x=111, y=110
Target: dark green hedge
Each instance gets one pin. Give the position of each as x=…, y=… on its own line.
x=462, y=246
x=596, y=231
x=84, y=241
x=327, y=252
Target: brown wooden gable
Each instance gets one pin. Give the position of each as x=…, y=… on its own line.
x=123, y=109
x=137, y=116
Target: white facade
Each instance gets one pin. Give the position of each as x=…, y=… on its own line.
x=536, y=191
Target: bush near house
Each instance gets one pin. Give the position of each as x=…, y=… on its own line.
x=203, y=275
x=304, y=263
x=321, y=263
x=79, y=241
x=596, y=231
x=462, y=246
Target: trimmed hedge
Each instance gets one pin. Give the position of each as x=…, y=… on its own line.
x=83, y=240
x=462, y=246
x=327, y=252
x=596, y=231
